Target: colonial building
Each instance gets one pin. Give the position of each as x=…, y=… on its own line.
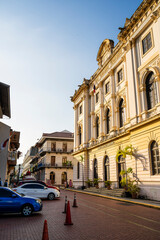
x=53, y=162
x=31, y=153
x=13, y=154
x=120, y=106
x=4, y=129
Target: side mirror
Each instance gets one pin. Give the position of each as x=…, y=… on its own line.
x=45, y=188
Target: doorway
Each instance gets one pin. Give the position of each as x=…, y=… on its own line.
x=52, y=177
x=121, y=167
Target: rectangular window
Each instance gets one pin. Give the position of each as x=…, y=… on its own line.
x=97, y=97
x=107, y=88
x=64, y=161
x=53, y=160
x=120, y=75
x=80, y=109
x=147, y=43
x=53, y=146
x=64, y=147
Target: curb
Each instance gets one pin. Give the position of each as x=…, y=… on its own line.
x=116, y=199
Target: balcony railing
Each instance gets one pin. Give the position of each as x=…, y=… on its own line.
x=12, y=156
x=49, y=165
x=45, y=150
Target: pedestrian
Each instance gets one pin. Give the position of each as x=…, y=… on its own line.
x=6, y=183
x=70, y=183
x=1, y=183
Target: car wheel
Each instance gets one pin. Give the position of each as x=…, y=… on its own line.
x=51, y=196
x=27, y=210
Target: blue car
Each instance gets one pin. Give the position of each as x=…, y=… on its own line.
x=11, y=202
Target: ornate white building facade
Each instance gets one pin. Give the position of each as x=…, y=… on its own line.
x=120, y=106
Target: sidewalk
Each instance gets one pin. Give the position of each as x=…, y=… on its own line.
x=143, y=202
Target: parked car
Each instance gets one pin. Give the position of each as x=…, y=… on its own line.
x=37, y=190
x=12, y=202
x=38, y=181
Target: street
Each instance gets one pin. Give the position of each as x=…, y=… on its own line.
x=95, y=218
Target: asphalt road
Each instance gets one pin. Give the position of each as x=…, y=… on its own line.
x=95, y=218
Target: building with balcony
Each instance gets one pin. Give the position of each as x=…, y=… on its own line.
x=119, y=106
x=54, y=161
x=4, y=129
x=31, y=153
x=13, y=154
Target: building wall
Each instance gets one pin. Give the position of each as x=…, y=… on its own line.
x=140, y=124
x=4, y=134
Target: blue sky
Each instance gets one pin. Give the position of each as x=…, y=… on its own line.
x=47, y=47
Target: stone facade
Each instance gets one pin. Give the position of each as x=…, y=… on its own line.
x=120, y=106
x=54, y=161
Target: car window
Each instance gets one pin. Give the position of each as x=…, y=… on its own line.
x=5, y=193
x=33, y=186
x=28, y=186
x=38, y=186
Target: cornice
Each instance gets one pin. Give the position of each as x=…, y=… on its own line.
x=131, y=24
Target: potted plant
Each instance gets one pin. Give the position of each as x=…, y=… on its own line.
x=96, y=182
x=89, y=182
x=133, y=188
x=108, y=184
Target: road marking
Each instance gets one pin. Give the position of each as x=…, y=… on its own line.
x=147, y=219
x=124, y=220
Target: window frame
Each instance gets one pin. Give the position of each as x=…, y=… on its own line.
x=107, y=89
x=152, y=40
x=120, y=70
x=154, y=172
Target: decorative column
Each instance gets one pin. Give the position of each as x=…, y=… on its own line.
x=101, y=110
x=85, y=120
x=139, y=109
x=75, y=127
x=113, y=105
x=92, y=117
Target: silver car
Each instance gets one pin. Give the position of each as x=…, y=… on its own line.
x=37, y=190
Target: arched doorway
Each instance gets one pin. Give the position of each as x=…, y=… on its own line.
x=52, y=177
x=121, y=167
x=64, y=177
x=95, y=169
x=106, y=169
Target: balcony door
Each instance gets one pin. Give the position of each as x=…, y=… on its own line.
x=53, y=160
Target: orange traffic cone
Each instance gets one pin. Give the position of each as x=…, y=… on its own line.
x=65, y=205
x=45, y=231
x=75, y=201
x=68, y=216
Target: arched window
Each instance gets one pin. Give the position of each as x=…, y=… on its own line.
x=121, y=113
x=80, y=135
x=64, y=177
x=106, y=169
x=52, y=177
x=95, y=168
x=97, y=126
x=151, y=91
x=155, y=158
x=78, y=170
x=108, y=120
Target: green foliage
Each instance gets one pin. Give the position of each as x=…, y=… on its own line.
x=128, y=150
x=125, y=177
x=133, y=187
x=123, y=182
x=89, y=182
x=96, y=181
x=107, y=183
